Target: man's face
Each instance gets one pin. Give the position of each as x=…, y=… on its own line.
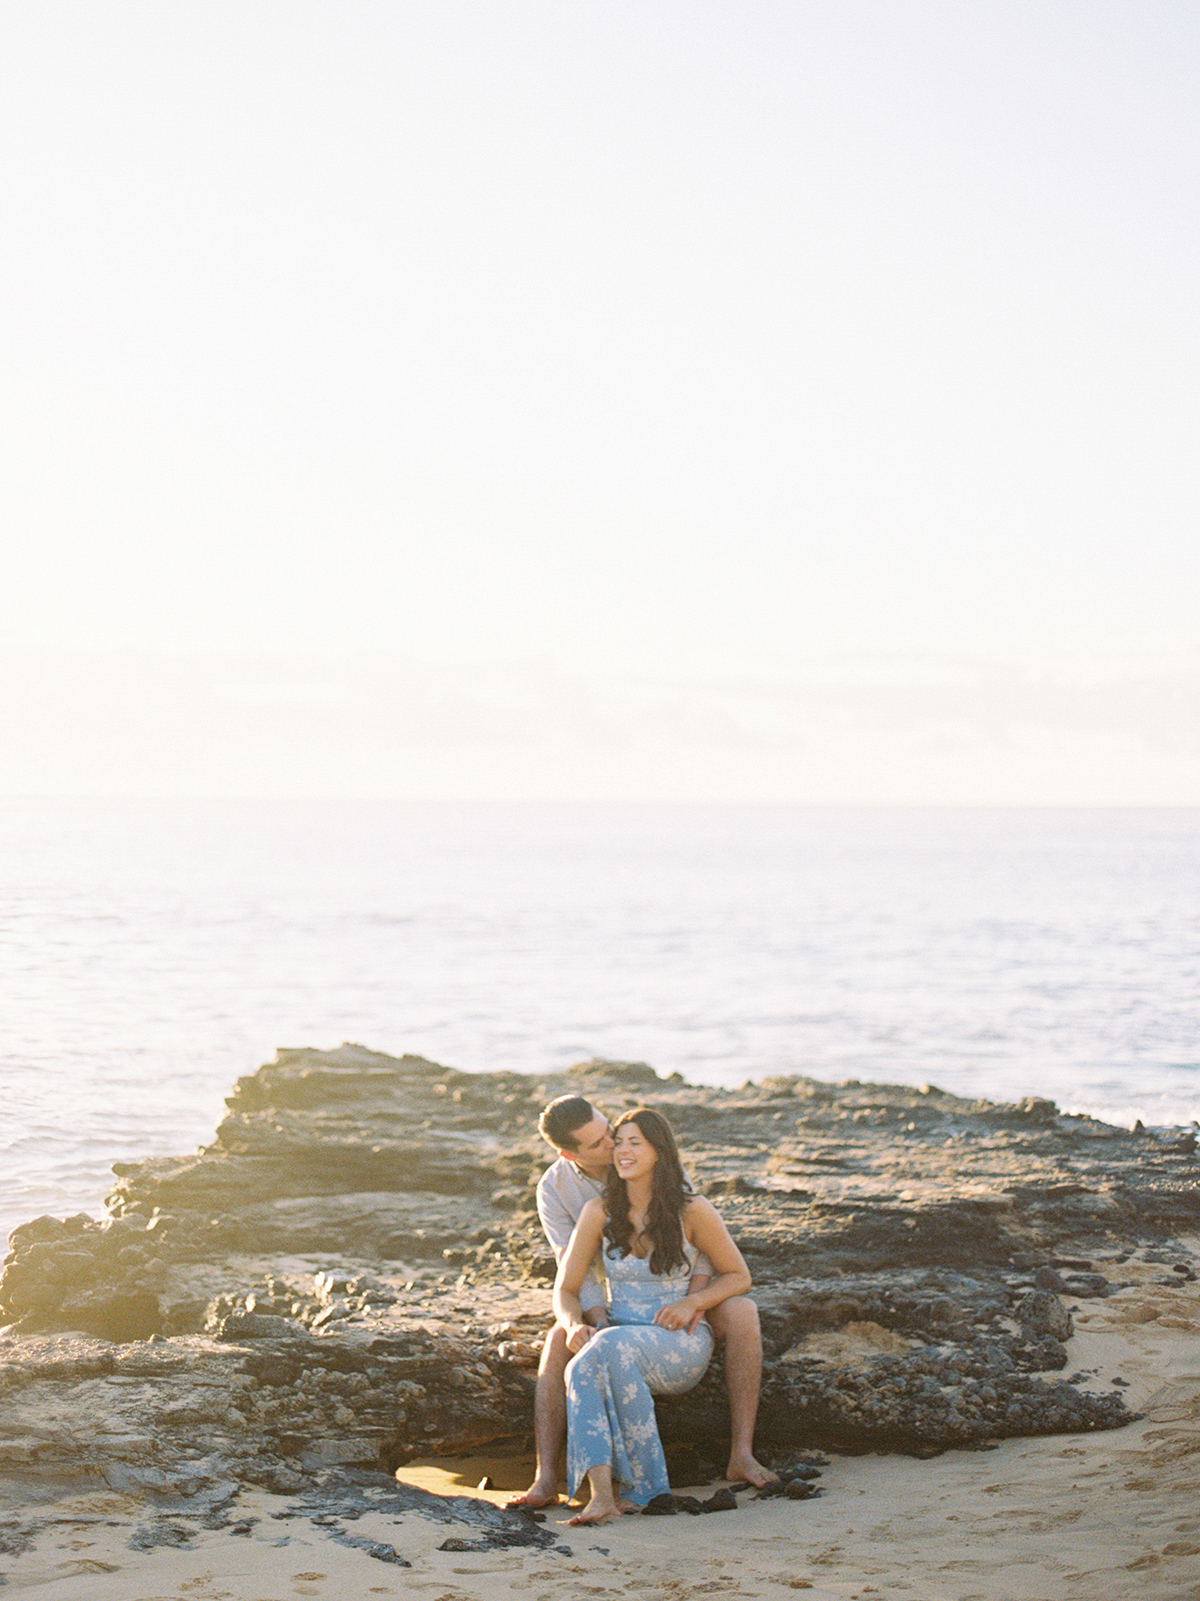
x=593, y=1146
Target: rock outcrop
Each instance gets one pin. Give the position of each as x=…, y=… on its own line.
x=352, y=1275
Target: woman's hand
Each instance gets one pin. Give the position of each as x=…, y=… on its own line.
x=578, y=1335
x=684, y=1314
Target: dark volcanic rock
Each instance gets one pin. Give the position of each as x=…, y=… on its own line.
x=353, y=1275
x=1043, y=1315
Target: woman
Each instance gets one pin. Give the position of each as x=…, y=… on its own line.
x=652, y=1227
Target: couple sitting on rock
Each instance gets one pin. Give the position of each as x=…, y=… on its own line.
x=675, y=1281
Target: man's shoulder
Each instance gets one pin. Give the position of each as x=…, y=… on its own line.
x=563, y=1179
x=555, y=1170
x=555, y=1175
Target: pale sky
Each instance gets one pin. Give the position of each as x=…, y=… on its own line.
x=651, y=400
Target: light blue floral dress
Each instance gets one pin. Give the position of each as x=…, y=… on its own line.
x=612, y=1382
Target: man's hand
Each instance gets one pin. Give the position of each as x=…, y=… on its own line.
x=578, y=1336
x=685, y=1314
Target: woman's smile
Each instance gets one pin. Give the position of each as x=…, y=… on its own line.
x=634, y=1156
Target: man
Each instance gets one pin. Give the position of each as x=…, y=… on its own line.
x=584, y=1143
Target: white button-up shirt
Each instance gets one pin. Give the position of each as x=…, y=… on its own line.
x=563, y=1191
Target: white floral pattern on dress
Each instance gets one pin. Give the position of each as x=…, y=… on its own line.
x=612, y=1382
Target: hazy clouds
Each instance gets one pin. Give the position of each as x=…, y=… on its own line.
x=780, y=400
x=847, y=729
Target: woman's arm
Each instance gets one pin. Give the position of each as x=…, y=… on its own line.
x=572, y=1270
x=704, y=1229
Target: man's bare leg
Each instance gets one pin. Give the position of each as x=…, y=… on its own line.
x=735, y=1323
x=549, y=1421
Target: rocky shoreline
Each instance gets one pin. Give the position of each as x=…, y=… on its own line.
x=352, y=1276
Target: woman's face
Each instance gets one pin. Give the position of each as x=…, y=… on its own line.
x=633, y=1156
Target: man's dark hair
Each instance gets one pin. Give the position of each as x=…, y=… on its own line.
x=563, y=1119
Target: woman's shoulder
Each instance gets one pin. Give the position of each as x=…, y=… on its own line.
x=697, y=1210
x=593, y=1212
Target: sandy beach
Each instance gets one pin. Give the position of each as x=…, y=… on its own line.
x=1094, y=1517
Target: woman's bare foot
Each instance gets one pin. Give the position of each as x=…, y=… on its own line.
x=537, y=1496
x=746, y=1469
x=602, y=1509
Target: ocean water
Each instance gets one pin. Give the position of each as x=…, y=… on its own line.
x=153, y=952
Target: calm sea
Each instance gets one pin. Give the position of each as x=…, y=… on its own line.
x=152, y=952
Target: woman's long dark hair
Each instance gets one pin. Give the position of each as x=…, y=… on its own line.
x=668, y=1193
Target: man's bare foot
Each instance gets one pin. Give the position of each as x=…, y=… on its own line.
x=746, y=1469
x=534, y=1499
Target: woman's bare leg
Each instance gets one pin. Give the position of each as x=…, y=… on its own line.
x=603, y=1505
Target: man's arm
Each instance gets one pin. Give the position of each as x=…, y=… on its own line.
x=558, y=1224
